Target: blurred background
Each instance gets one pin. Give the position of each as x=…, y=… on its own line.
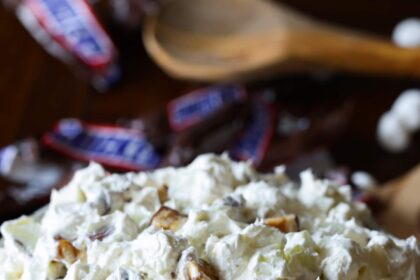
x=37, y=90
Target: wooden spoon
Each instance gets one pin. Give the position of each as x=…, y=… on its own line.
x=401, y=200
x=219, y=40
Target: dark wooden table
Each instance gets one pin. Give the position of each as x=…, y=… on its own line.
x=36, y=90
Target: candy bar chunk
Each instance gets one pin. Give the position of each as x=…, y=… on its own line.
x=193, y=268
x=67, y=252
x=163, y=193
x=168, y=219
x=56, y=270
x=288, y=223
x=200, y=270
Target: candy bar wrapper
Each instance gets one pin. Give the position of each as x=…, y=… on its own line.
x=115, y=147
x=27, y=176
x=70, y=31
x=198, y=111
x=213, y=135
x=193, y=108
x=205, y=120
x=213, y=119
x=255, y=139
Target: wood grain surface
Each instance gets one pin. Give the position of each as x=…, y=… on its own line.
x=36, y=90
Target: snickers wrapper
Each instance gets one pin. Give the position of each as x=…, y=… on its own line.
x=115, y=147
x=205, y=120
x=215, y=134
x=70, y=31
x=253, y=142
x=192, y=109
x=27, y=176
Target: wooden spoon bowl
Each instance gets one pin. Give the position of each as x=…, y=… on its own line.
x=401, y=201
x=221, y=40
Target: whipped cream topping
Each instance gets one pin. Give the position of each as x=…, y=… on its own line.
x=214, y=227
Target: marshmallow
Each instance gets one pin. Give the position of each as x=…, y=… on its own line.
x=407, y=33
x=407, y=109
x=364, y=181
x=391, y=134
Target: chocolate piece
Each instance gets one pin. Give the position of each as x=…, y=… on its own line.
x=193, y=268
x=200, y=270
x=288, y=223
x=168, y=219
x=67, y=252
x=57, y=270
x=163, y=194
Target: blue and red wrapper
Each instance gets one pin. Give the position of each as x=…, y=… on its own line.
x=214, y=119
x=116, y=147
x=193, y=108
x=254, y=141
x=70, y=31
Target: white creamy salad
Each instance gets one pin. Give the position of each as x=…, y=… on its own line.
x=214, y=219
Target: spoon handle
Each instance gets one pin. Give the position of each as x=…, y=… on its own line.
x=349, y=51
